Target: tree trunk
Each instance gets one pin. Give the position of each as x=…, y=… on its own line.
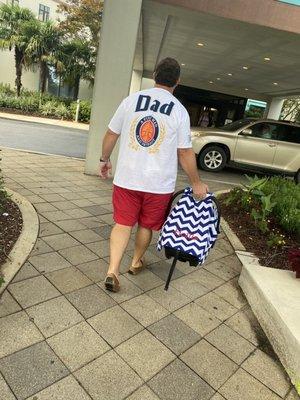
x=43, y=76
x=18, y=65
x=76, y=87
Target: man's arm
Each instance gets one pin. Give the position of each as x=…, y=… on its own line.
x=187, y=160
x=108, y=144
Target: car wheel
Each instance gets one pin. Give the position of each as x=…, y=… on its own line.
x=297, y=177
x=212, y=158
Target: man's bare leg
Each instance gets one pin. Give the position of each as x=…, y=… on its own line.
x=142, y=241
x=119, y=239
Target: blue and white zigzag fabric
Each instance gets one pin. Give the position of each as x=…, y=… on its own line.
x=191, y=227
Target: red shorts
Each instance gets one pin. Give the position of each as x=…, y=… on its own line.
x=147, y=209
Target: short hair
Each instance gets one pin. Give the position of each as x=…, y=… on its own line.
x=167, y=72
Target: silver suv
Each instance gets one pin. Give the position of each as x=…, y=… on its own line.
x=258, y=144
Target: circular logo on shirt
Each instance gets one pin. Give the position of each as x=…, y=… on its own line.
x=147, y=131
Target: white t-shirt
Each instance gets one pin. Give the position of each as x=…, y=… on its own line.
x=152, y=125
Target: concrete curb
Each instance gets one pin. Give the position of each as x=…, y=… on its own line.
x=25, y=242
x=46, y=121
x=268, y=292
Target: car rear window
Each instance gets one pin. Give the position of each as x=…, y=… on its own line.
x=288, y=133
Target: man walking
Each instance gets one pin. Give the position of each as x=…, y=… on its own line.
x=154, y=131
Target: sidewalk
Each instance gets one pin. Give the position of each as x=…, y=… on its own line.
x=63, y=337
x=48, y=121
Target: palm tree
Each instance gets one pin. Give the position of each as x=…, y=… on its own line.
x=14, y=34
x=77, y=61
x=42, y=47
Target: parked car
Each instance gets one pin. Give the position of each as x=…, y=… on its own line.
x=251, y=143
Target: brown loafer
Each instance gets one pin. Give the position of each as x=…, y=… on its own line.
x=133, y=270
x=112, y=283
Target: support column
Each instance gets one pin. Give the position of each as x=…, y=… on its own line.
x=113, y=72
x=136, y=81
x=273, y=109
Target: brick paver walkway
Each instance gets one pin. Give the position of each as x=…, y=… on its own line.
x=62, y=337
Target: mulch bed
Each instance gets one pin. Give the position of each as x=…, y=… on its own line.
x=10, y=228
x=254, y=240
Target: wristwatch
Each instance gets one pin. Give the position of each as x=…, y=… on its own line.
x=104, y=161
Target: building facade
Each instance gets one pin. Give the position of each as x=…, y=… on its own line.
x=44, y=10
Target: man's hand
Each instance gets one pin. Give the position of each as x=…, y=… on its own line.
x=200, y=190
x=105, y=168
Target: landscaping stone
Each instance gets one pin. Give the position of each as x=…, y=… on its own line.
x=145, y=354
x=60, y=241
x=223, y=271
x=108, y=377
x=41, y=247
x=69, y=279
x=293, y=395
x=245, y=324
x=136, y=321
x=70, y=225
x=177, y=382
x=207, y=279
x=47, y=228
x=144, y=393
x=162, y=268
x=115, y=325
x=26, y=271
x=31, y=370
x=49, y=262
x=5, y=392
x=8, y=305
x=209, y=363
x=19, y=332
x=66, y=389
x=144, y=309
x=232, y=293
x=90, y=300
x=78, y=254
x=54, y=316
x=243, y=386
x=33, y=291
x=216, y=306
x=197, y=318
x=230, y=343
x=145, y=280
x=267, y=371
x=78, y=345
x=87, y=236
x=129, y=290
x=174, y=334
x=217, y=396
x=189, y=287
x=171, y=299
x=99, y=248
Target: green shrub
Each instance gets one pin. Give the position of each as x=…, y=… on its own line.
x=62, y=111
x=6, y=89
x=46, y=104
x=55, y=109
x=84, y=111
x=28, y=104
x=286, y=196
x=264, y=198
x=48, y=108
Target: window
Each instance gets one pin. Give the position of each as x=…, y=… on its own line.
x=234, y=126
x=289, y=134
x=44, y=13
x=265, y=130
